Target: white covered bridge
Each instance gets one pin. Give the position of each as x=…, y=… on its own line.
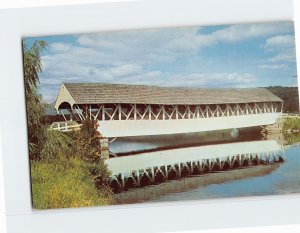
x=136, y=110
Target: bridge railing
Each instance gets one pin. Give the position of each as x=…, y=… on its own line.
x=65, y=126
x=291, y=115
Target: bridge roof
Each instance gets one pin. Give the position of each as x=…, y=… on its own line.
x=99, y=93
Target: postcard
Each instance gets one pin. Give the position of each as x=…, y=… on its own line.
x=162, y=115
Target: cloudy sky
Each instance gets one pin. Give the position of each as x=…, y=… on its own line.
x=245, y=55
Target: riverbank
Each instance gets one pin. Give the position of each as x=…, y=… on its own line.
x=291, y=124
x=286, y=124
x=155, y=191
x=65, y=183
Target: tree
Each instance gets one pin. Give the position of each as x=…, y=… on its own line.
x=87, y=145
x=34, y=103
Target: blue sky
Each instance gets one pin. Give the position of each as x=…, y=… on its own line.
x=242, y=55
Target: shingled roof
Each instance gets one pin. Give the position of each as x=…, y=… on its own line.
x=99, y=93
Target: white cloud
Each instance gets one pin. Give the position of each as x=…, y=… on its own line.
x=228, y=80
x=201, y=80
x=286, y=56
x=282, y=48
x=126, y=70
x=280, y=42
x=60, y=47
x=274, y=67
x=155, y=46
x=138, y=56
x=248, y=31
x=164, y=45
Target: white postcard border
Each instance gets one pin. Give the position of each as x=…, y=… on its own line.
x=206, y=214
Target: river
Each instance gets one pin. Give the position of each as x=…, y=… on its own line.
x=245, y=174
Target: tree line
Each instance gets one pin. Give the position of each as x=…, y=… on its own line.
x=290, y=97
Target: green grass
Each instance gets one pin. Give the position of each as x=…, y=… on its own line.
x=65, y=183
x=291, y=124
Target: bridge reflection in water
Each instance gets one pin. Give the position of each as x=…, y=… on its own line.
x=156, y=167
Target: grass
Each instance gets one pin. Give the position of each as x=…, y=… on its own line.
x=65, y=183
x=291, y=124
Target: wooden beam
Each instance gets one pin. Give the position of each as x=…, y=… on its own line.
x=90, y=110
x=160, y=110
x=150, y=112
x=146, y=110
x=130, y=112
x=207, y=111
x=63, y=115
x=197, y=111
x=120, y=112
x=114, y=112
x=99, y=110
x=103, y=112
x=81, y=116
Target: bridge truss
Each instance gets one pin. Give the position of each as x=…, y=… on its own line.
x=113, y=112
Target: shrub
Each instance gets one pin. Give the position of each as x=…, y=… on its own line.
x=86, y=142
x=291, y=124
x=65, y=183
x=55, y=144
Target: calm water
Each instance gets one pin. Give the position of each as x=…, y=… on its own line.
x=285, y=179
x=156, y=151
x=123, y=145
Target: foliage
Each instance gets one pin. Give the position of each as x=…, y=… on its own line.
x=32, y=65
x=70, y=172
x=55, y=143
x=65, y=168
x=35, y=112
x=87, y=144
x=99, y=170
x=34, y=102
x=290, y=97
x=291, y=124
x=65, y=183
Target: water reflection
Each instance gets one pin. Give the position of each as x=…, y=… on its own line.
x=283, y=179
x=155, y=167
x=183, y=163
x=130, y=145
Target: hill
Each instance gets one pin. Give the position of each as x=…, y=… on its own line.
x=290, y=97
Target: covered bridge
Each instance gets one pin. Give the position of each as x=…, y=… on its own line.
x=134, y=110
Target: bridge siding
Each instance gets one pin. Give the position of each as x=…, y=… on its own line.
x=164, y=127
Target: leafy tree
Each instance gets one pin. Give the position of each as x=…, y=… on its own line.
x=32, y=65
x=56, y=145
x=34, y=102
x=87, y=142
x=86, y=146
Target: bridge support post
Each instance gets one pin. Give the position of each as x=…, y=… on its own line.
x=104, y=145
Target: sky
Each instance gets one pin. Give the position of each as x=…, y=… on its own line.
x=230, y=56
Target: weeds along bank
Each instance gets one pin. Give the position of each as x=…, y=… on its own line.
x=291, y=124
x=69, y=171
x=66, y=183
